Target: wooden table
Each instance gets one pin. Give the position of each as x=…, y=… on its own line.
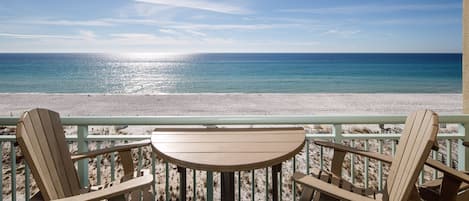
x=228, y=150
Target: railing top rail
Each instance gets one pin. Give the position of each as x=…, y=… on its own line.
x=233, y=120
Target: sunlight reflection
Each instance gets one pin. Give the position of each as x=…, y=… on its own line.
x=145, y=73
x=151, y=56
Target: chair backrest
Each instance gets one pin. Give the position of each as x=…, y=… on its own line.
x=414, y=147
x=42, y=141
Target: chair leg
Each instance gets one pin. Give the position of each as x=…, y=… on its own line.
x=147, y=195
x=323, y=197
x=118, y=198
x=307, y=194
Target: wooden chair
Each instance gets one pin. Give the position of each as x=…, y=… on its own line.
x=414, y=147
x=455, y=184
x=42, y=141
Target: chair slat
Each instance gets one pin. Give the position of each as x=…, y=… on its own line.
x=415, y=143
x=50, y=155
x=71, y=173
x=52, y=145
x=35, y=158
x=399, y=151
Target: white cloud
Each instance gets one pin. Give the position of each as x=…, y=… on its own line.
x=170, y=32
x=376, y=8
x=97, y=22
x=343, y=33
x=134, y=36
x=228, y=26
x=196, y=33
x=193, y=28
x=37, y=36
x=87, y=34
x=82, y=35
x=200, y=5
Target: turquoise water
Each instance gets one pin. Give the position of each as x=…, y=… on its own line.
x=231, y=73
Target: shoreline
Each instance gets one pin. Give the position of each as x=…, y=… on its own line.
x=187, y=104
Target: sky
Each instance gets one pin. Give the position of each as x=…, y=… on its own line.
x=183, y=26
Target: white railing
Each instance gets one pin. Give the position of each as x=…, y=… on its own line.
x=383, y=141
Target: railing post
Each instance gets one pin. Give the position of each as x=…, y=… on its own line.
x=337, y=133
x=209, y=186
x=463, y=152
x=82, y=134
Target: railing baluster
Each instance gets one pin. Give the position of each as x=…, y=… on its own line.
x=209, y=186
x=463, y=152
x=266, y=183
x=421, y=177
x=1, y=169
x=293, y=182
x=27, y=182
x=194, y=184
x=98, y=164
x=321, y=157
x=82, y=134
x=307, y=156
x=380, y=167
x=352, y=163
x=435, y=172
x=13, y=170
x=139, y=169
x=239, y=186
x=449, y=151
x=153, y=171
x=280, y=188
x=166, y=186
x=113, y=162
x=253, y=185
x=367, y=160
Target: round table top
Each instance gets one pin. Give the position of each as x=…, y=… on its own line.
x=227, y=149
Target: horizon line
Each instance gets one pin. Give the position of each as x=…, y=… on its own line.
x=228, y=52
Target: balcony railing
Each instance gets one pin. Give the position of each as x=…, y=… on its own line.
x=383, y=142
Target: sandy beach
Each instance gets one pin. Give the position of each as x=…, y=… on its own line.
x=229, y=104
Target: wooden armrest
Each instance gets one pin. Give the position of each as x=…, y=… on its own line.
x=466, y=144
x=461, y=176
x=119, y=189
x=123, y=147
x=373, y=155
x=330, y=189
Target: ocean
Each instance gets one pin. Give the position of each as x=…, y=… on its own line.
x=230, y=73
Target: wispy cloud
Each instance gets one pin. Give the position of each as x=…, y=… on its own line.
x=86, y=34
x=414, y=21
x=342, y=33
x=194, y=26
x=98, y=22
x=196, y=33
x=82, y=34
x=35, y=36
x=200, y=5
x=170, y=32
x=372, y=8
x=135, y=36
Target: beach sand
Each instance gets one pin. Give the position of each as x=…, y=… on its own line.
x=223, y=104
x=229, y=104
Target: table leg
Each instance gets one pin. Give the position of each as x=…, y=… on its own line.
x=227, y=186
x=182, y=183
x=276, y=169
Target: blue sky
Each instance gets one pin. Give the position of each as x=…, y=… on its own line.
x=230, y=26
